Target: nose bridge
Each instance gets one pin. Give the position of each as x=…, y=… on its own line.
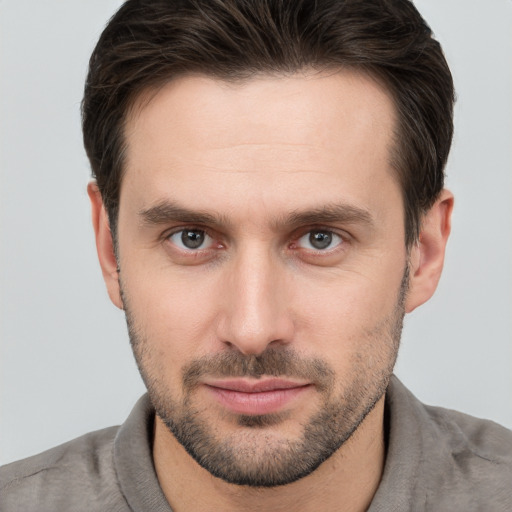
x=256, y=313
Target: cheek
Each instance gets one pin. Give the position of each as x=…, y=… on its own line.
x=351, y=311
x=174, y=310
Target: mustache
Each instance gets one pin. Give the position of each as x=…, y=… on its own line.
x=275, y=362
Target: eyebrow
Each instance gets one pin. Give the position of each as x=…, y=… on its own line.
x=330, y=213
x=168, y=211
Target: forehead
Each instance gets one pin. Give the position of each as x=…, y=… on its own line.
x=281, y=137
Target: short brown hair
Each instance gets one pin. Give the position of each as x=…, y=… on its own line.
x=149, y=42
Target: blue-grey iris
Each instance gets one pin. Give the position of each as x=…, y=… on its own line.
x=320, y=239
x=192, y=239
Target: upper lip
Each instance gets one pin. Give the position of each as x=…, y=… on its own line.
x=256, y=386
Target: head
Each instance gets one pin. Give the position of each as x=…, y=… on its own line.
x=268, y=206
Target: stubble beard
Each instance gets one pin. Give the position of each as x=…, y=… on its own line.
x=255, y=456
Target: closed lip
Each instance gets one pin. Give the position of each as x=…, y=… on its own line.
x=256, y=397
x=255, y=386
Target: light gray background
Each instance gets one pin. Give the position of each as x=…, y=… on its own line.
x=66, y=366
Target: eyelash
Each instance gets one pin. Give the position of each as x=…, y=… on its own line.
x=167, y=237
x=293, y=245
x=343, y=239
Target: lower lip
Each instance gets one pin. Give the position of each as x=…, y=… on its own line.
x=264, y=402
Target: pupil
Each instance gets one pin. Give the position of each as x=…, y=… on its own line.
x=320, y=239
x=192, y=239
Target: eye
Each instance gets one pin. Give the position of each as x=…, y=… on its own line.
x=319, y=240
x=191, y=239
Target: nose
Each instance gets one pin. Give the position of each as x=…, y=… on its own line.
x=256, y=312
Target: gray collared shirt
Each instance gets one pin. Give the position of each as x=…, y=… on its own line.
x=437, y=460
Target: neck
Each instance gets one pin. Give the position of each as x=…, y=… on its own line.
x=346, y=481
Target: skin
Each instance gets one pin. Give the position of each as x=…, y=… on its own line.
x=254, y=156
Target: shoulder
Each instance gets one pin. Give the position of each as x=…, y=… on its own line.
x=476, y=470
x=479, y=450
x=440, y=459
x=471, y=437
x=74, y=476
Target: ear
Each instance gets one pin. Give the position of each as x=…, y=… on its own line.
x=104, y=244
x=427, y=255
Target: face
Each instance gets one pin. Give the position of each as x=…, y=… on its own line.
x=262, y=265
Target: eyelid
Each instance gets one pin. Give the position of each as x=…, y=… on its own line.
x=183, y=227
x=328, y=256
x=166, y=236
x=216, y=242
x=335, y=240
x=329, y=229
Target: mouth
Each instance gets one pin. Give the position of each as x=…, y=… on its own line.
x=256, y=397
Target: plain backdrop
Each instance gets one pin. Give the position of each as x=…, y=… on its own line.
x=66, y=365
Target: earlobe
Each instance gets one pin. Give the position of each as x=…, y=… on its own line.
x=104, y=244
x=427, y=255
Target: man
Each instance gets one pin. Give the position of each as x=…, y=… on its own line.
x=268, y=204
